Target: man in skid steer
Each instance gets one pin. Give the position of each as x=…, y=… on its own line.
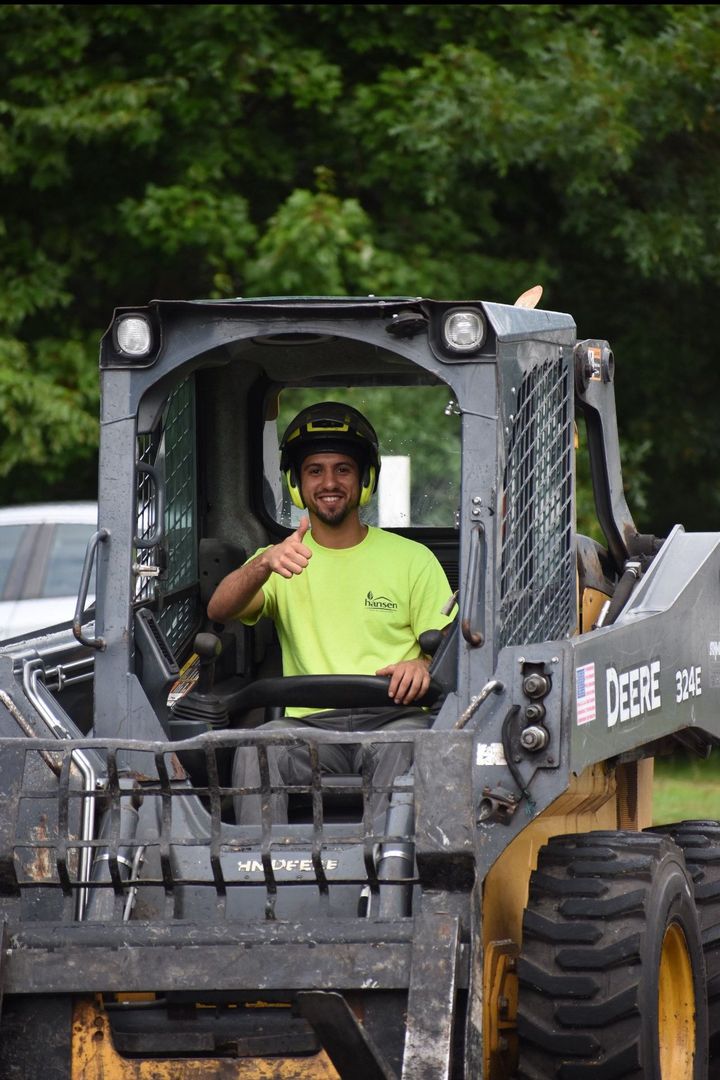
x=345, y=597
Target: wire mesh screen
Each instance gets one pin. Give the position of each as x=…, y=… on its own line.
x=147, y=452
x=537, y=582
x=170, y=450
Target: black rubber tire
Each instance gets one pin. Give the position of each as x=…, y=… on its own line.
x=700, y=844
x=599, y=909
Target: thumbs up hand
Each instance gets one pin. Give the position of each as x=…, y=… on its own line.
x=291, y=556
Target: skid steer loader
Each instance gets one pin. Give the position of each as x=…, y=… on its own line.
x=503, y=907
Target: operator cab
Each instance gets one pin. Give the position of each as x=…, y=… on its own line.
x=213, y=445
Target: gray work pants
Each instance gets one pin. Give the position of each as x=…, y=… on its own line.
x=291, y=764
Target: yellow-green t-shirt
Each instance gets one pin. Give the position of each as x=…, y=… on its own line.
x=355, y=610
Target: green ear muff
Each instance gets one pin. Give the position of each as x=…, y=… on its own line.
x=294, y=488
x=367, y=485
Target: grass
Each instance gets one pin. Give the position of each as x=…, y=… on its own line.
x=686, y=789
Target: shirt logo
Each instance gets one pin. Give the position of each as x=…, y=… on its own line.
x=380, y=603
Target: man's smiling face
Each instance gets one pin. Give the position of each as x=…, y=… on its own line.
x=330, y=486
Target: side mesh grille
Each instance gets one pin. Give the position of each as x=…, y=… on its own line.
x=537, y=584
x=171, y=450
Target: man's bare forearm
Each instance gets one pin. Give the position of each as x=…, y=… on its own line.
x=240, y=593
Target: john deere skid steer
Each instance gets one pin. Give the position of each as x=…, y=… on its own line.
x=503, y=907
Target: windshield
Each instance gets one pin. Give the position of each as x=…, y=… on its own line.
x=419, y=437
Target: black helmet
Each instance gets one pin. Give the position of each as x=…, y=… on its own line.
x=330, y=427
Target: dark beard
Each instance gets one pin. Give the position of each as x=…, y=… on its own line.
x=335, y=518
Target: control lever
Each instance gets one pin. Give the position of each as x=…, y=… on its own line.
x=430, y=641
x=201, y=703
x=208, y=647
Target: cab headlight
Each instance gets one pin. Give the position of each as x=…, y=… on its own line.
x=133, y=336
x=463, y=331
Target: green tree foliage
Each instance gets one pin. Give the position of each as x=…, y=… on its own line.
x=447, y=150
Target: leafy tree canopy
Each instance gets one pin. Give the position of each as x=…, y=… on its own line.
x=446, y=150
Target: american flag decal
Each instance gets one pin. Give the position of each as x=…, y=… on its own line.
x=585, y=693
